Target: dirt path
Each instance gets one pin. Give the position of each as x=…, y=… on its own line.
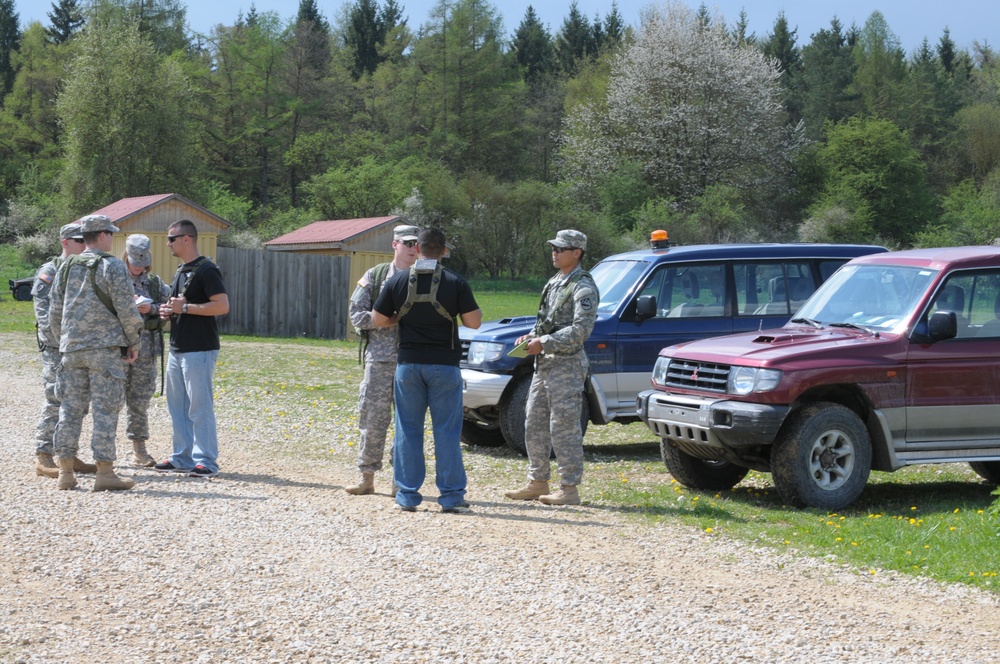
x=273, y=562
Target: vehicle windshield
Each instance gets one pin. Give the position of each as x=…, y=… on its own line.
x=876, y=297
x=614, y=280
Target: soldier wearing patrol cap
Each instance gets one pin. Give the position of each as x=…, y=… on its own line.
x=379, y=346
x=71, y=239
x=566, y=317
x=94, y=316
x=140, y=385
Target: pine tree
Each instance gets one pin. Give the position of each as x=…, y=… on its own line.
x=66, y=19
x=574, y=43
x=10, y=37
x=533, y=47
x=780, y=45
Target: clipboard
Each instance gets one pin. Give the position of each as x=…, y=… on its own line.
x=520, y=350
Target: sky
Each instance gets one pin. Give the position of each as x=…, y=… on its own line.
x=910, y=20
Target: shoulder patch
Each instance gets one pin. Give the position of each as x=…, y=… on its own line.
x=363, y=281
x=46, y=277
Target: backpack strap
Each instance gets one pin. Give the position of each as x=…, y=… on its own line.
x=412, y=297
x=91, y=263
x=364, y=336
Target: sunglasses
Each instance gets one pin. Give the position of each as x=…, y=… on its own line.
x=78, y=240
x=559, y=250
x=409, y=243
x=171, y=238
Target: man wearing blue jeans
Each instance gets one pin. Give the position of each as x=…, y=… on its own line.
x=197, y=296
x=425, y=300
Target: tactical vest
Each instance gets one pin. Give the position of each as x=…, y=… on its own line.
x=548, y=325
x=154, y=290
x=412, y=297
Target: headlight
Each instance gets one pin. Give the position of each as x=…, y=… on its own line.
x=744, y=380
x=660, y=370
x=484, y=351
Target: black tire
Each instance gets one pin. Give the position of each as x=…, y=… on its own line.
x=22, y=292
x=700, y=474
x=481, y=435
x=822, y=457
x=513, y=414
x=988, y=470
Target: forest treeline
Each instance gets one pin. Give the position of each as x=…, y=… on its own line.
x=685, y=122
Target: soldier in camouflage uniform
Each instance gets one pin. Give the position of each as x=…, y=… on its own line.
x=71, y=239
x=375, y=398
x=141, y=375
x=93, y=313
x=566, y=318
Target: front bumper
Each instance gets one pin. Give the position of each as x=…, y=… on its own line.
x=481, y=390
x=700, y=422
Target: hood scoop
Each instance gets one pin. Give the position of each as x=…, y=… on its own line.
x=778, y=338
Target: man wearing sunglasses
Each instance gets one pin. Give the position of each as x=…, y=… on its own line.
x=566, y=317
x=379, y=346
x=197, y=296
x=71, y=239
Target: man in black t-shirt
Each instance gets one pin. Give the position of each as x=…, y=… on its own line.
x=425, y=300
x=197, y=296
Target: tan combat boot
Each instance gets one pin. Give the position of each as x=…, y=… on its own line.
x=81, y=467
x=67, y=480
x=106, y=479
x=364, y=487
x=534, y=490
x=45, y=466
x=140, y=456
x=566, y=495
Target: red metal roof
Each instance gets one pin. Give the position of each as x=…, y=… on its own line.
x=129, y=206
x=337, y=230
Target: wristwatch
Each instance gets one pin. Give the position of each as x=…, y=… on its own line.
x=184, y=308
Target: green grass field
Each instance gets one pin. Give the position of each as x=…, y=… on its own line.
x=931, y=521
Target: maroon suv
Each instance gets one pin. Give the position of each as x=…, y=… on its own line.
x=894, y=361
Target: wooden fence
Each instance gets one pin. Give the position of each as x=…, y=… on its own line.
x=278, y=294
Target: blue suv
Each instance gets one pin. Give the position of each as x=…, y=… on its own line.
x=650, y=299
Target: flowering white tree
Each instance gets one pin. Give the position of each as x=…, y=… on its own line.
x=689, y=105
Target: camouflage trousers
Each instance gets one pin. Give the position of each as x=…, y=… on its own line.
x=140, y=386
x=555, y=402
x=374, y=414
x=95, y=378
x=51, y=357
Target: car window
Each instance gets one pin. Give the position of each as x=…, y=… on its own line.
x=772, y=289
x=872, y=296
x=974, y=297
x=614, y=280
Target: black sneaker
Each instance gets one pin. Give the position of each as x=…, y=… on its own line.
x=406, y=508
x=202, y=471
x=167, y=467
x=461, y=508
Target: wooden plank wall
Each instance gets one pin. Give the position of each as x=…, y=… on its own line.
x=279, y=294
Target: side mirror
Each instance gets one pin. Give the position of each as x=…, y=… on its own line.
x=645, y=307
x=942, y=325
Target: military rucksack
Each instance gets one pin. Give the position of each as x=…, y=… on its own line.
x=90, y=262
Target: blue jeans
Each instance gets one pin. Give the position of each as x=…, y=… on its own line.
x=418, y=387
x=192, y=411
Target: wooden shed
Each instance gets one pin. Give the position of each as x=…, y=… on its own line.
x=152, y=216
x=367, y=241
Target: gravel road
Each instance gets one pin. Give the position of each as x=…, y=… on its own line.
x=273, y=562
